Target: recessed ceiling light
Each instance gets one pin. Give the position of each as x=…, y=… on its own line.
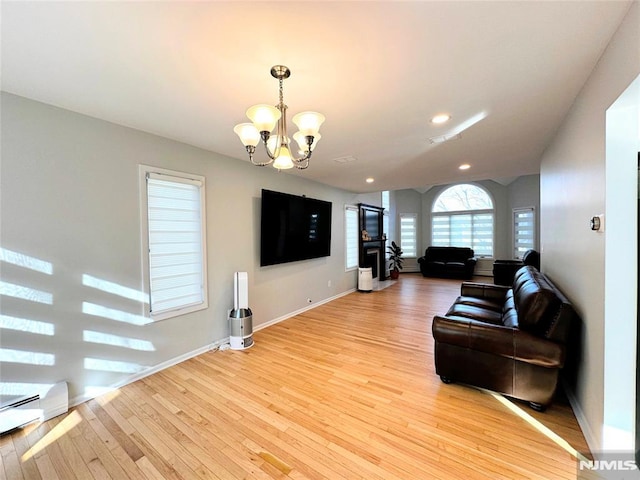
x=464, y=166
x=370, y=180
x=441, y=118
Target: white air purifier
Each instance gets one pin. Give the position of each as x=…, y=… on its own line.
x=365, y=279
x=241, y=317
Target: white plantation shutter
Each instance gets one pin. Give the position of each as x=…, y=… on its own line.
x=482, y=234
x=175, y=214
x=524, y=231
x=462, y=216
x=473, y=230
x=351, y=235
x=408, y=234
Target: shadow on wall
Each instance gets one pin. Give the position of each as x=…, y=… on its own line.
x=36, y=333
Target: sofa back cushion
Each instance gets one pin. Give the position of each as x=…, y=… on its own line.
x=448, y=254
x=536, y=301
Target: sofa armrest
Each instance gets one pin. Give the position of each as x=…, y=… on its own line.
x=421, y=260
x=498, y=340
x=484, y=290
x=471, y=261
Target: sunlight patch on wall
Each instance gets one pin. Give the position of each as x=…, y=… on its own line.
x=25, y=261
x=25, y=293
x=115, y=340
x=24, y=325
x=24, y=356
x=61, y=429
x=114, y=288
x=111, y=365
x=113, y=314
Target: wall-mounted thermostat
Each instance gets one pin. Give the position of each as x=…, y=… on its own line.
x=597, y=223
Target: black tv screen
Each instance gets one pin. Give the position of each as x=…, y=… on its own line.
x=293, y=228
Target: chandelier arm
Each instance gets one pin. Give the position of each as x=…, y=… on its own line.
x=303, y=159
x=307, y=154
x=269, y=154
x=259, y=164
x=265, y=138
x=251, y=150
x=301, y=164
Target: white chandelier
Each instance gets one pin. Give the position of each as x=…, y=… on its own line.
x=266, y=117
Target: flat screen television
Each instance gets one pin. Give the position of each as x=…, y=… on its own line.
x=293, y=228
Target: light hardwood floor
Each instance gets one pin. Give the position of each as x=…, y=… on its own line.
x=344, y=391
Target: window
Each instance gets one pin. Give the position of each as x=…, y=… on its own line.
x=351, y=235
x=385, y=199
x=385, y=216
x=462, y=216
x=175, y=243
x=524, y=231
x=408, y=234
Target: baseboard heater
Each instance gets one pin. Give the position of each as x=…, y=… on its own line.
x=34, y=408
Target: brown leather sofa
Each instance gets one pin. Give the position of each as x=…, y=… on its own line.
x=508, y=340
x=448, y=262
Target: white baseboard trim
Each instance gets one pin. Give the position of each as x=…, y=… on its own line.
x=302, y=310
x=582, y=420
x=77, y=400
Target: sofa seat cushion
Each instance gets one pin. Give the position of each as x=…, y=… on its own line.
x=485, y=303
x=497, y=340
x=475, y=312
x=455, y=265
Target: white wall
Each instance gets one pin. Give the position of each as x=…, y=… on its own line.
x=572, y=189
x=69, y=197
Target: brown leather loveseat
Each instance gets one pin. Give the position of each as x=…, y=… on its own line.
x=508, y=340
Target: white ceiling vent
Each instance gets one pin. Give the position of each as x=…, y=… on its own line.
x=347, y=159
x=444, y=138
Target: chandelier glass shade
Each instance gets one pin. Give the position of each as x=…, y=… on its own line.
x=265, y=118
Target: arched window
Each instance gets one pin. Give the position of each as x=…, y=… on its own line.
x=462, y=216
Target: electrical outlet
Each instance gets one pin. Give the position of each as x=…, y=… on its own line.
x=329, y=283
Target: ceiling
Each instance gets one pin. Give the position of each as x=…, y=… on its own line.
x=378, y=71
